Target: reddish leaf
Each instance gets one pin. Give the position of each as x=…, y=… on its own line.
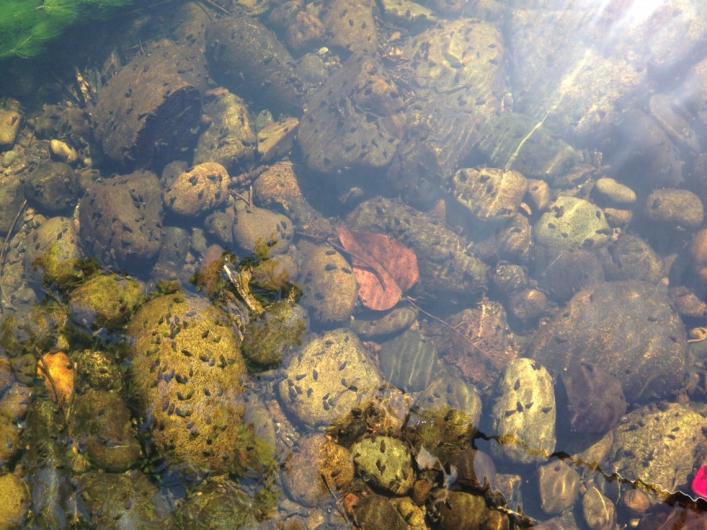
x=383, y=267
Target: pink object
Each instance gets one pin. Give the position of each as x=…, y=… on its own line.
x=699, y=483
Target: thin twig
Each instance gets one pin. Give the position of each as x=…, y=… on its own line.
x=336, y=499
x=215, y=5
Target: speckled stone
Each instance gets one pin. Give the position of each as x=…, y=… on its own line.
x=658, y=445
x=675, y=208
x=386, y=462
x=489, y=193
x=524, y=414
x=331, y=375
x=199, y=190
x=572, y=223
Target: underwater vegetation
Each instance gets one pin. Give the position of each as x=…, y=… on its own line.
x=26, y=26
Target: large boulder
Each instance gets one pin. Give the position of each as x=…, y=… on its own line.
x=628, y=328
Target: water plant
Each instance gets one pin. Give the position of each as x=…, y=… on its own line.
x=26, y=26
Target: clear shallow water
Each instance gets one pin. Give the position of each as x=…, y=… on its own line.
x=534, y=177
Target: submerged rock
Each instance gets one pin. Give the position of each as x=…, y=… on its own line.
x=331, y=375
x=658, y=446
x=127, y=500
x=328, y=282
x=354, y=120
x=268, y=339
x=448, y=264
x=121, y=219
x=524, y=413
x=409, y=361
x=316, y=469
x=230, y=138
x=628, y=328
x=53, y=253
x=105, y=300
x=53, y=186
x=216, y=504
x=558, y=485
x=187, y=370
x=249, y=59
x=386, y=462
x=16, y=497
x=198, y=191
x=675, y=208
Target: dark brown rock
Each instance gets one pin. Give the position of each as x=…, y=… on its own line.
x=148, y=111
x=248, y=58
x=595, y=400
x=628, y=328
x=121, y=219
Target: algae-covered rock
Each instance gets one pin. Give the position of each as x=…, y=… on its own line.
x=461, y=510
x=187, y=370
x=9, y=440
x=571, y=223
x=101, y=424
x=489, y=193
x=98, y=370
x=409, y=361
x=331, y=375
x=658, y=446
x=53, y=186
x=125, y=500
x=447, y=413
x=568, y=272
x=230, y=138
x=448, y=263
x=260, y=230
x=53, y=254
x=374, y=512
x=524, y=414
x=328, y=282
x=318, y=467
x=121, y=219
x=33, y=331
x=16, y=498
x=105, y=300
x=216, y=504
x=268, y=338
x=675, y=208
x=386, y=462
x=199, y=190
x=632, y=318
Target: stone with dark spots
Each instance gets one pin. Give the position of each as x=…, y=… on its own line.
x=595, y=400
x=628, y=328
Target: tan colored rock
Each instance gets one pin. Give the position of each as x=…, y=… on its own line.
x=539, y=194
x=614, y=191
x=10, y=120
x=351, y=25
x=198, y=190
x=63, y=152
x=275, y=139
x=489, y=193
x=675, y=207
x=15, y=501
x=617, y=217
x=330, y=288
x=259, y=230
x=318, y=467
